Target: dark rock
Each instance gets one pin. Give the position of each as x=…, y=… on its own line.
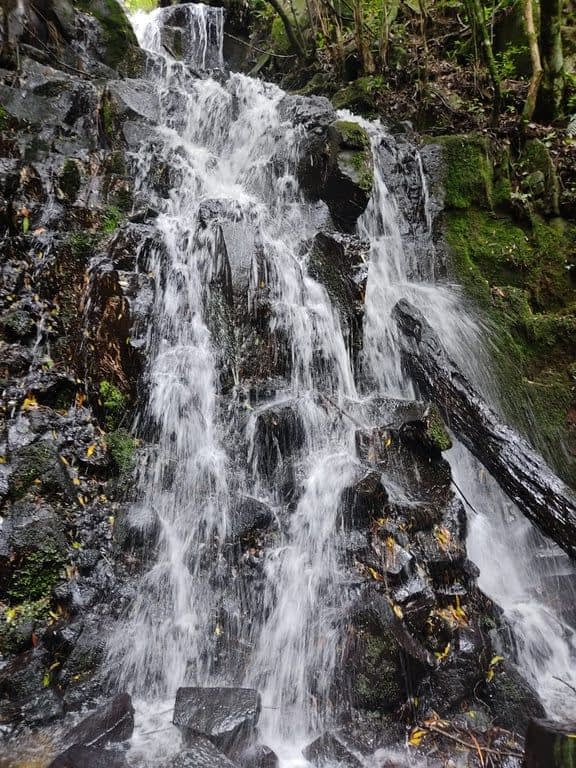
x=226, y=716
x=309, y=111
x=39, y=461
x=201, y=753
x=278, y=434
x=550, y=744
x=87, y=757
x=258, y=756
x=383, y=661
x=43, y=708
x=32, y=551
x=512, y=700
x=364, y=501
x=24, y=695
x=331, y=750
x=113, y=723
x=249, y=516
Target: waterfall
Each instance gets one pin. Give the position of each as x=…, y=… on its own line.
x=234, y=210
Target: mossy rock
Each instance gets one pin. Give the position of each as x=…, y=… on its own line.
x=541, y=179
x=360, y=96
x=38, y=469
x=354, y=153
x=468, y=172
x=18, y=622
x=122, y=51
x=436, y=430
x=70, y=180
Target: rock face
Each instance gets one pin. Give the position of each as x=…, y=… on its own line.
x=113, y=723
x=226, y=716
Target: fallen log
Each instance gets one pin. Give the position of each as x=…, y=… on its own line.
x=520, y=471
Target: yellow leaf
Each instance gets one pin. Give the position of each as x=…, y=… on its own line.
x=111, y=519
x=76, y=481
x=64, y=461
x=90, y=450
x=2, y=459
x=29, y=402
x=375, y=575
x=416, y=737
x=495, y=660
x=442, y=536
x=441, y=655
x=217, y=630
x=489, y=675
x=11, y=614
x=46, y=679
x=388, y=442
x=76, y=545
x=398, y=611
x=81, y=500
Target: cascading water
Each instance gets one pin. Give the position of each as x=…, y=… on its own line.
x=234, y=207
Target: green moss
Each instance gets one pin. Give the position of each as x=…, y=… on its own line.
x=377, y=685
x=121, y=446
x=38, y=466
x=4, y=119
x=70, y=179
x=36, y=574
x=119, y=38
x=108, y=118
x=81, y=245
x=518, y=276
x=114, y=403
x=468, y=178
x=437, y=431
x=111, y=219
x=536, y=161
x=353, y=135
x=359, y=96
x=17, y=623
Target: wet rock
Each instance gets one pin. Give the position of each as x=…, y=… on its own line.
x=258, y=756
x=363, y=501
x=86, y=757
x=248, y=517
x=428, y=435
x=337, y=262
x=278, y=434
x=550, y=744
x=330, y=749
x=84, y=661
x=383, y=661
x=112, y=723
x=309, y=111
x=38, y=467
x=201, y=753
x=226, y=716
x=23, y=692
x=512, y=700
x=32, y=551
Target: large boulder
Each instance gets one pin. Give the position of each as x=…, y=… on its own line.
x=112, y=723
x=225, y=716
x=87, y=757
x=512, y=700
x=200, y=753
x=331, y=749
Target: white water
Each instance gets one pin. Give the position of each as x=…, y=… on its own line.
x=224, y=141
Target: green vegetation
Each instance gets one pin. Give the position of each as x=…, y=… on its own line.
x=70, y=180
x=122, y=446
x=122, y=51
x=111, y=219
x=515, y=270
x=18, y=621
x=114, y=403
x=36, y=574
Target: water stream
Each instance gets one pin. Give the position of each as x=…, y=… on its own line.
x=229, y=150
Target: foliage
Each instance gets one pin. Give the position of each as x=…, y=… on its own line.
x=114, y=403
x=121, y=446
x=140, y=5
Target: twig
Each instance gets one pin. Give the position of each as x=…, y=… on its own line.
x=572, y=688
x=471, y=746
x=260, y=50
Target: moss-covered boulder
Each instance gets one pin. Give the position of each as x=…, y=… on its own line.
x=117, y=46
x=540, y=180
x=38, y=469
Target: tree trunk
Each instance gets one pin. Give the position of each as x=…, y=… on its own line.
x=291, y=33
x=476, y=19
x=551, y=94
x=550, y=744
x=522, y=474
x=530, y=104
